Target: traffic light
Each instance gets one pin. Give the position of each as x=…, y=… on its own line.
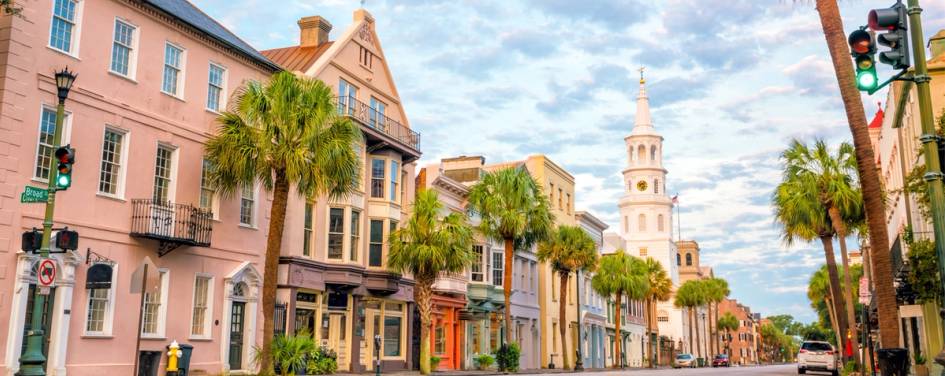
x=67, y=240
x=862, y=48
x=32, y=241
x=66, y=157
x=892, y=20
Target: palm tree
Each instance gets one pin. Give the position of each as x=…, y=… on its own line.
x=283, y=134
x=873, y=196
x=426, y=246
x=803, y=218
x=661, y=290
x=620, y=274
x=513, y=210
x=831, y=176
x=718, y=291
x=689, y=296
x=728, y=323
x=568, y=249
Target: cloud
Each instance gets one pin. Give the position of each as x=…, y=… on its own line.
x=611, y=14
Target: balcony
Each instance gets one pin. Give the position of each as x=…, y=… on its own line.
x=380, y=131
x=171, y=224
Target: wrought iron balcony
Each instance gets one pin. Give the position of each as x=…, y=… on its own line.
x=379, y=129
x=171, y=224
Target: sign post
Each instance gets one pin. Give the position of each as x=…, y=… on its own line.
x=45, y=275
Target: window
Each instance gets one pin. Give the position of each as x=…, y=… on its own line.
x=336, y=232
x=123, y=53
x=567, y=203
x=643, y=252
x=162, y=174
x=155, y=308
x=101, y=308
x=497, y=269
x=377, y=178
x=659, y=223
x=439, y=340
x=215, y=81
x=393, y=319
x=475, y=269
x=394, y=184
x=653, y=153
x=200, y=324
x=307, y=232
x=678, y=260
x=347, y=97
x=366, y=58
x=112, y=151
x=61, y=34
x=656, y=186
x=641, y=153
x=173, y=66
x=377, y=114
x=355, y=234
x=560, y=194
x=247, y=205
x=206, y=193
x=689, y=259
x=376, y=248
x=44, y=149
x=641, y=219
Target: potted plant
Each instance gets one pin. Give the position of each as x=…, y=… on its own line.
x=434, y=362
x=483, y=361
x=920, y=368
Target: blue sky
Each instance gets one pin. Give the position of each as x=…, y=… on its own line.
x=730, y=82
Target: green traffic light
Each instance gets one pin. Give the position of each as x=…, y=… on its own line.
x=866, y=79
x=63, y=181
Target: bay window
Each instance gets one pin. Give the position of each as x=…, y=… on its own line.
x=377, y=178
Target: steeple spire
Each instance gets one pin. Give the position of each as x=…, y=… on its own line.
x=642, y=122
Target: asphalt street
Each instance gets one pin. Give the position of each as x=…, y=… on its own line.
x=784, y=369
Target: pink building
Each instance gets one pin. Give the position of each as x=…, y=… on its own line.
x=151, y=77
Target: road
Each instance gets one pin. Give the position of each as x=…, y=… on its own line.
x=777, y=370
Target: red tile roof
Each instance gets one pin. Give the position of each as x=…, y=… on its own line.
x=877, y=121
x=296, y=58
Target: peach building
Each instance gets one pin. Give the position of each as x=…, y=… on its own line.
x=152, y=76
x=743, y=343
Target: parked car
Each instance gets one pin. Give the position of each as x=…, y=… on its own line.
x=721, y=360
x=684, y=360
x=817, y=356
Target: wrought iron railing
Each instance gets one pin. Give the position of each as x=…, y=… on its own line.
x=171, y=222
x=374, y=119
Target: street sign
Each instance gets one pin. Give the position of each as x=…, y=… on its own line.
x=32, y=195
x=46, y=273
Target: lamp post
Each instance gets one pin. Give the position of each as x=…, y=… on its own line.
x=578, y=363
x=32, y=360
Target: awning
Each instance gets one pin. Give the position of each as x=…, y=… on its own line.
x=99, y=276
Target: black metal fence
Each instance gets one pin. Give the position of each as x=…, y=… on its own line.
x=171, y=222
x=372, y=118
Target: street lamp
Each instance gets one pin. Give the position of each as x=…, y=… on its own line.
x=32, y=360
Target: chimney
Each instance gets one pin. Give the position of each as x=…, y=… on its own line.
x=937, y=44
x=313, y=31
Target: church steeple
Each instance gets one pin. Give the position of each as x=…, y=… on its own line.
x=642, y=123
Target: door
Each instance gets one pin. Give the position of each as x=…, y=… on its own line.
x=47, y=319
x=237, y=314
x=337, y=338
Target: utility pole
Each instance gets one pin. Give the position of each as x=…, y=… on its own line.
x=32, y=361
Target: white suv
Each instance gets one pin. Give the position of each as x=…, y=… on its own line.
x=817, y=356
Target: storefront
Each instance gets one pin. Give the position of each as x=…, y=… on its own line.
x=446, y=331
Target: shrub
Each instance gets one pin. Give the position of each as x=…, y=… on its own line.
x=849, y=368
x=289, y=353
x=323, y=361
x=483, y=361
x=434, y=362
x=508, y=356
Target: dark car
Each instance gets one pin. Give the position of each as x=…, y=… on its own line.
x=721, y=360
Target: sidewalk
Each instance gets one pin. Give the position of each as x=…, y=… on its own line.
x=493, y=372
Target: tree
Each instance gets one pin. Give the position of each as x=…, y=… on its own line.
x=661, y=290
x=831, y=177
x=818, y=290
x=717, y=291
x=513, y=210
x=873, y=196
x=426, y=246
x=568, y=249
x=620, y=274
x=728, y=323
x=690, y=295
x=282, y=134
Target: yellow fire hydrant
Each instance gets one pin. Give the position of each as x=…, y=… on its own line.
x=173, y=354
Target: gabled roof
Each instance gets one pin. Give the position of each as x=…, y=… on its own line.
x=189, y=14
x=877, y=121
x=297, y=58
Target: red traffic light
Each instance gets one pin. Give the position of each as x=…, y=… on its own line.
x=861, y=42
x=883, y=19
x=65, y=155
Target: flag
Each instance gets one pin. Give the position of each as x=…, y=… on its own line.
x=675, y=199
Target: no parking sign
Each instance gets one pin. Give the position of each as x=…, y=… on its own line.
x=45, y=275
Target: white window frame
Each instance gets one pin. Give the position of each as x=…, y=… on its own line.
x=165, y=275
x=172, y=177
x=65, y=137
x=383, y=178
x=132, y=54
x=221, y=101
x=214, y=198
x=393, y=180
x=479, y=263
x=122, y=162
x=208, y=313
x=76, y=30
x=344, y=234
x=254, y=207
x=493, y=269
x=109, y=316
x=181, y=70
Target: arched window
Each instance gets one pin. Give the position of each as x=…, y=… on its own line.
x=689, y=259
x=239, y=289
x=678, y=260
x=656, y=186
x=641, y=153
x=642, y=222
x=653, y=153
x=659, y=223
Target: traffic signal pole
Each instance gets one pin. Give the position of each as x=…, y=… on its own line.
x=933, y=171
x=32, y=361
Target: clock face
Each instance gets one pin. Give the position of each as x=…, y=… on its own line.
x=641, y=185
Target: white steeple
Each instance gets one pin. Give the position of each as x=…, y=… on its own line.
x=642, y=123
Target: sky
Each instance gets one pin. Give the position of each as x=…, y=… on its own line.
x=730, y=82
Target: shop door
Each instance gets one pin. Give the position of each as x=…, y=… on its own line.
x=47, y=319
x=237, y=314
x=336, y=323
